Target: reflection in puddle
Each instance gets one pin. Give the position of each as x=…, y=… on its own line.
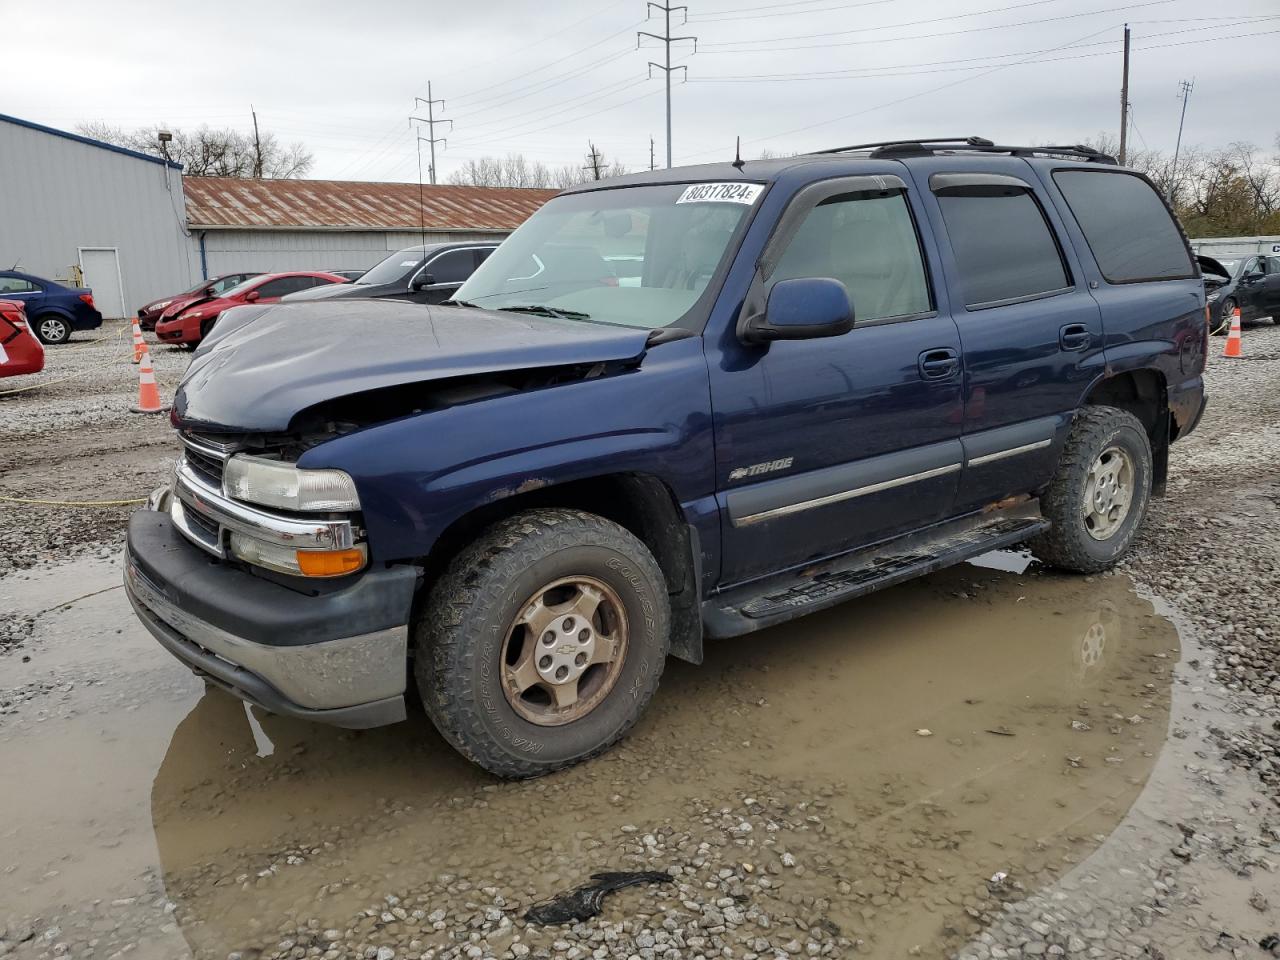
x=887, y=758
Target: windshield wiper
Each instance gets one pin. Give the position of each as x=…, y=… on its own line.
x=542, y=310
x=457, y=303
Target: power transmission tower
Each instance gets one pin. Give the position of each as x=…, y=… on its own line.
x=593, y=161
x=1184, y=92
x=431, y=121
x=257, y=146
x=1124, y=98
x=667, y=40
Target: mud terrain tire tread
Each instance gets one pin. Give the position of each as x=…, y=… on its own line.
x=470, y=605
x=1067, y=544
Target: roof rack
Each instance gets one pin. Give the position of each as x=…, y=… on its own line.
x=915, y=148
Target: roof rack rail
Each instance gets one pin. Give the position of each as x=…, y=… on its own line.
x=909, y=148
x=969, y=141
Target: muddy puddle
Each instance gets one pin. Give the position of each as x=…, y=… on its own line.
x=853, y=780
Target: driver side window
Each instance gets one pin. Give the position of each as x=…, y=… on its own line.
x=868, y=242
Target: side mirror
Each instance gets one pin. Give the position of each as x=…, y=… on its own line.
x=422, y=281
x=801, y=309
x=251, y=296
x=1254, y=275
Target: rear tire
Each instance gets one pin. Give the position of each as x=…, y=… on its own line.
x=496, y=650
x=1099, y=495
x=51, y=328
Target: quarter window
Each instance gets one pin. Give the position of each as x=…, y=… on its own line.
x=868, y=242
x=1127, y=226
x=1002, y=243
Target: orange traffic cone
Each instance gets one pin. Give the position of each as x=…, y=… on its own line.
x=148, y=392
x=1232, y=349
x=139, y=344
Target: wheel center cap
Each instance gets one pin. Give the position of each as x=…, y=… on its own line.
x=565, y=650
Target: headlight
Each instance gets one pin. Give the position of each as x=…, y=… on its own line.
x=272, y=483
x=1214, y=296
x=304, y=563
x=160, y=304
x=192, y=314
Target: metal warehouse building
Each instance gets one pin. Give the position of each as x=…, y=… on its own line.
x=68, y=204
x=334, y=225
x=135, y=229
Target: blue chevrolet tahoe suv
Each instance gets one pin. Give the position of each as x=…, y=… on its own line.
x=818, y=377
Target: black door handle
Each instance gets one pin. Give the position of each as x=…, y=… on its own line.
x=1075, y=336
x=939, y=364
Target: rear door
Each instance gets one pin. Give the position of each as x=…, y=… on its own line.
x=20, y=288
x=1030, y=330
x=831, y=444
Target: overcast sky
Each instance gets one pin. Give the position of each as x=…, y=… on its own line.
x=543, y=78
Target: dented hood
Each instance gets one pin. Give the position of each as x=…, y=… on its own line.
x=293, y=356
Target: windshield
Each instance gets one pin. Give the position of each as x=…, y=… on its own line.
x=1230, y=266
x=634, y=256
x=396, y=267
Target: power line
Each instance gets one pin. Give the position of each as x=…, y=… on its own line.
x=734, y=17
x=666, y=39
x=866, y=73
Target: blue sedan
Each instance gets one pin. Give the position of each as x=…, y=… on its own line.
x=53, y=310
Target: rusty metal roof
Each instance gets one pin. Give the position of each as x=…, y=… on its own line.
x=232, y=202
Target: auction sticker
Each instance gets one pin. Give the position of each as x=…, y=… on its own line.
x=722, y=193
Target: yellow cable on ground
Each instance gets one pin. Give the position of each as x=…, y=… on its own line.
x=74, y=503
x=42, y=383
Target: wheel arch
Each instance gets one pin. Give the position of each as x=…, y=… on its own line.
x=1143, y=392
x=641, y=503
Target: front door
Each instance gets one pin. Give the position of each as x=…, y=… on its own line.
x=446, y=273
x=830, y=444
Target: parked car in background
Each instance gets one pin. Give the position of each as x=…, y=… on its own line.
x=20, y=351
x=1251, y=283
x=422, y=274
x=195, y=320
x=52, y=309
x=149, y=315
x=348, y=274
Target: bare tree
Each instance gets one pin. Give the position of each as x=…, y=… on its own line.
x=517, y=170
x=208, y=152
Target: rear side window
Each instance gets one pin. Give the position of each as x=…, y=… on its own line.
x=1129, y=229
x=1003, y=245
x=452, y=267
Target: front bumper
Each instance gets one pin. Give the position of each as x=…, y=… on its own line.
x=338, y=658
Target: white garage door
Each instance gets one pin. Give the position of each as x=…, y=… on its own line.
x=101, y=267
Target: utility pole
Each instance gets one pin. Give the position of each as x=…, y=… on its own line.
x=1124, y=99
x=667, y=40
x=651, y=162
x=422, y=216
x=593, y=161
x=431, y=121
x=1184, y=91
x=257, y=146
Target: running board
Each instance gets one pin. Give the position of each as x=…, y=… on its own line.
x=764, y=603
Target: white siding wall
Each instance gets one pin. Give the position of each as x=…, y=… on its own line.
x=227, y=251
x=58, y=194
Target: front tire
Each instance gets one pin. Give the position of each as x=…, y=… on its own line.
x=1224, y=317
x=543, y=641
x=1098, y=498
x=52, y=329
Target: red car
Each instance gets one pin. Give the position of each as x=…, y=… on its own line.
x=20, y=351
x=152, y=313
x=193, y=322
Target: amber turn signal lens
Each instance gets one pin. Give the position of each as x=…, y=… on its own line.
x=329, y=563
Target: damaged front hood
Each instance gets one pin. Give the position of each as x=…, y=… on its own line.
x=294, y=356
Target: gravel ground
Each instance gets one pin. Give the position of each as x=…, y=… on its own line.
x=1189, y=871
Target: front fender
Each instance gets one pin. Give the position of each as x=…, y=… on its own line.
x=419, y=474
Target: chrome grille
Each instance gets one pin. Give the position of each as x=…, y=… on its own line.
x=206, y=457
